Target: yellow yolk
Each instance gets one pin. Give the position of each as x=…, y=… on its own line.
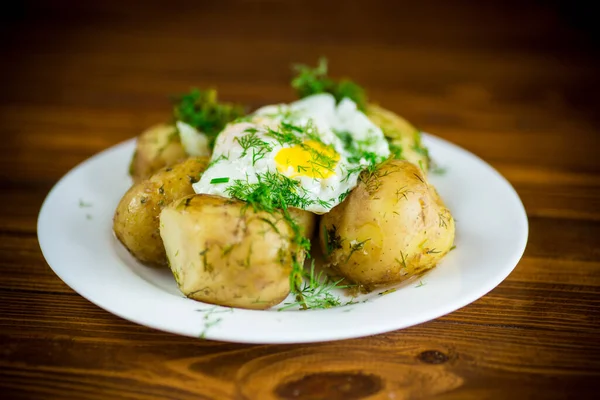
x=311, y=158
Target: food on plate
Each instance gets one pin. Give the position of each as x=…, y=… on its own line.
x=314, y=145
x=225, y=252
x=198, y=118
x=157, y=147
x=136, y=219
x=391, y=227
x=238, y=231
x=404, y=139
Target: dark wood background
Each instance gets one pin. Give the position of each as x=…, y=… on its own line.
x=517, y=83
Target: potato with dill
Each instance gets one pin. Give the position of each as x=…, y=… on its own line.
x=392, y=226
x=156, y=148
x=136, y=219
x=198, y=118
x=225, y=252
x=403, y=138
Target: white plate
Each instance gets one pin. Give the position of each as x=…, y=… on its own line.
x=75, y=235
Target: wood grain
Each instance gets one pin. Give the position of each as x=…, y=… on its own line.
x=514, y=82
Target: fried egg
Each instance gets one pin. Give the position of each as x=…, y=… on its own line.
x=320, y=145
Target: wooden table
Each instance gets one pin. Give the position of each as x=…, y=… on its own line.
x=517, y=84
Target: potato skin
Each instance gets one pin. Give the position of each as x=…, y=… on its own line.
x=400, y=133
x=222, y=252
x=392, y=226
x=136, y=219
x=157, y=147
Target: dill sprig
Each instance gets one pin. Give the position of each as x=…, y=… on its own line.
x=275, y=193
x=309, y=81
x=317, y=291
x=259, y=147
x=200, y=109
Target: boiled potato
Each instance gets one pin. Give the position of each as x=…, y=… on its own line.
x=136, y=220
x=223, y=252
x=156, y=148
x=392, y=226
x=404, y=138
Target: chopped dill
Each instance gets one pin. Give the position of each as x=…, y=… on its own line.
x=443, y=222
x=316, y=293
x=357, y=246
x=420, y=284
x=333, y=241
x=343, y=196
x=217, y=160
x=403, y=261
x=210, y=319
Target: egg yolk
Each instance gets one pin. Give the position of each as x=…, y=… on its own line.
x=311, y=158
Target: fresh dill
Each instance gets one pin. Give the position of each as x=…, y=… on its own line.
x=420, y=284
x=275, y=193
x=309, y=81
x=343, y=196
x=200, y=109
x=443, y=222
x=356, y=246
x=317, y=292
x=333, y=241
x=401, y=193
x=402, y=262
x=222, y=157
x=210, y=319
x=287, y=133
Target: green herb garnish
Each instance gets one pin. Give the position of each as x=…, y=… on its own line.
x=309, y=81
x=200, y=109
x=219, y=180
x=316, y=293
x=275, y=193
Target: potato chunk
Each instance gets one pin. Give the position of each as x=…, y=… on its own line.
x=392, y=226
x=404, y=139
x=136, y=219
x=156, y=148
x=223, y=252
